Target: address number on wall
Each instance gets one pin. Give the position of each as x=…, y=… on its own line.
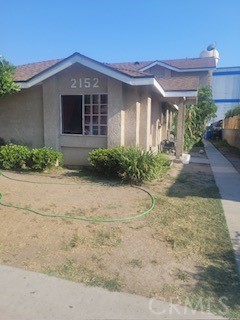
x=84, y=83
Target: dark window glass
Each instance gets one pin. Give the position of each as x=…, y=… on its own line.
x=72, y=114
x=104, y=99
x=85, y=114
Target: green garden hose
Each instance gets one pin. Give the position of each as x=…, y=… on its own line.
x=83, y=218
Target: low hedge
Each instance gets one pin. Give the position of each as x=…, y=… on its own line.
x=18, y=157
x=131, y=164
x=14, y=156
x=44, y=158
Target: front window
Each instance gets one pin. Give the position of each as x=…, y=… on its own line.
x=85, y=114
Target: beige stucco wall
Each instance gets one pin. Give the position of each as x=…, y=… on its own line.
x=204, y=76
x=137, y=108
x=33, y=116
x=75, y=148
x=160, y=71
x=21, y=117
x=156, y=122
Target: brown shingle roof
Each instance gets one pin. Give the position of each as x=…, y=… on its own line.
x=193, y=63
x=27, y=71
x=179, y=83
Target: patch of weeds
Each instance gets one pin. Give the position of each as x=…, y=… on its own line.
x=154, y=262
x=72, y=271
x=182, y=275
x=74, y=242
x=109, y=238
x=98, y=261
x=169, y=291
x=67, y=221
x=136, y=263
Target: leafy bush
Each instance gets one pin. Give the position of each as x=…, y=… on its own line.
x=14, y=156
x=106, y=161
x=197, y=116
x=17, y=157
x=232, y=112
x=43, y=158
x=131, y=164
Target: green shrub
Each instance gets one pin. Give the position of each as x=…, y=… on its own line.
x=232, y=112
x=44, y=158
x=138, y=165
x=131, y=164
x=14, y=156
x=17, y=157
x=106, y=161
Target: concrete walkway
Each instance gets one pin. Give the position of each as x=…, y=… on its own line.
x=228, y=181
x=26, y=295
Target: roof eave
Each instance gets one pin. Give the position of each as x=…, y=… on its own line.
x=87, y=62
x=180, y=93
x=165, y=65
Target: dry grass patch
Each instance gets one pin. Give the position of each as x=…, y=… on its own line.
x=179, y=251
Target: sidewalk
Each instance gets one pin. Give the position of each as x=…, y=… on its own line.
x=28, y=295
x=228, y=181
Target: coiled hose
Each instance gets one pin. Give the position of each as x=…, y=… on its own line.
x=82, y=218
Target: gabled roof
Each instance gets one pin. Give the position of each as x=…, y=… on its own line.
x=27, y=71
x=132, y=73
x=179, y=65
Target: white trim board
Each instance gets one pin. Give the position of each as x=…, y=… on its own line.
x=165, y=65
x=108, y=71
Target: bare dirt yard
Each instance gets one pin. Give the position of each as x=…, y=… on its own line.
x=180, y=249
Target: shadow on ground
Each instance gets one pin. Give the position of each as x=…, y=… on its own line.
x=194, y=180
x=219, y=281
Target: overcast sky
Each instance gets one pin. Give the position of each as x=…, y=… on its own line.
x=119, y=30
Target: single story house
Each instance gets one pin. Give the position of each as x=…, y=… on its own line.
x=78, y=104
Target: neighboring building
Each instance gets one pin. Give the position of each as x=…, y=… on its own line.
x=77, y=104
x=226, y=90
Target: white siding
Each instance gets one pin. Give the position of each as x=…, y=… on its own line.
x=226, y=89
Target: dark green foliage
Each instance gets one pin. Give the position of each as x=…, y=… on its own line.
x=18, y=157
x=7, y=85
x=106, y=161
x=232, y=112
x=131, y=164
x=13, y=156
x=197, y=117
x=44, y=158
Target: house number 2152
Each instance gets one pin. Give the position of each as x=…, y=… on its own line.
x=84, y=83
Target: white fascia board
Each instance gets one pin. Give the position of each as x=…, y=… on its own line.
x=159, y=88
x=67, y=63
x=158, y=63
x=148, y=81
x=94, y=66
x=180, y=94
